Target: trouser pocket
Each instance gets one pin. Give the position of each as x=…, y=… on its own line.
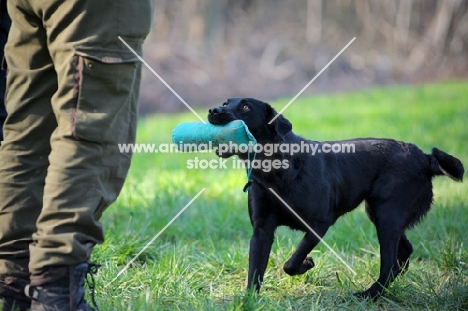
x=105, y=96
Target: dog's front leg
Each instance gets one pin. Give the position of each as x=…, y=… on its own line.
x=260, y=247
x=299, y=263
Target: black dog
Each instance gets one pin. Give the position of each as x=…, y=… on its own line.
x=393, y=178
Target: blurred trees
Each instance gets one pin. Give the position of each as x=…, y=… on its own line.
x=208, y=50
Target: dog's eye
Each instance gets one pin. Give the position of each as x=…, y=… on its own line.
x=245, y=107
x=225, y=104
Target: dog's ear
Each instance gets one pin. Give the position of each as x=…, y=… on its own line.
x=280, y=126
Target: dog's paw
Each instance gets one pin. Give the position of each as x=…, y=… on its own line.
x=373, y=293
x=306, y=265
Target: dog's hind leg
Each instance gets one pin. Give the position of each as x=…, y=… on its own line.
x=405, y=249
x=299, y=263
x=389, y=231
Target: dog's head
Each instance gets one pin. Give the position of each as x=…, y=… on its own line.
x=256, y=115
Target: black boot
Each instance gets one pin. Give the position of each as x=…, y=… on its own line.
x=60, y=288
x=12, y=295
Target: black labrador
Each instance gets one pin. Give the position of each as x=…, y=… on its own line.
x=393, y=178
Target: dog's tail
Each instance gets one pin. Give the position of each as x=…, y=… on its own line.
x=444, y=164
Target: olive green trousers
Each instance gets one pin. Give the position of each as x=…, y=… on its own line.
x=72, y=93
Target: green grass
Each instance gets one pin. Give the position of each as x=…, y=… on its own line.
x=200, y=261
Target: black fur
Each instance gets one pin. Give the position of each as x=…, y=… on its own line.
x=393, y=178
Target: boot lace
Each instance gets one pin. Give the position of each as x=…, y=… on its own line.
x=92, y=270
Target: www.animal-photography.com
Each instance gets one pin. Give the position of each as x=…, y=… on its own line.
x=234, y=155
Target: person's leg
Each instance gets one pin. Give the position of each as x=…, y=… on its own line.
x=96, y=109
x=25, y=148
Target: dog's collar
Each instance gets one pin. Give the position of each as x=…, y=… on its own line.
x=249, y=170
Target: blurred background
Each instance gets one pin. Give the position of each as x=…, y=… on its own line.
x=209, y=50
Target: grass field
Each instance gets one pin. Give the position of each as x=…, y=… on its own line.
x=200, y=261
